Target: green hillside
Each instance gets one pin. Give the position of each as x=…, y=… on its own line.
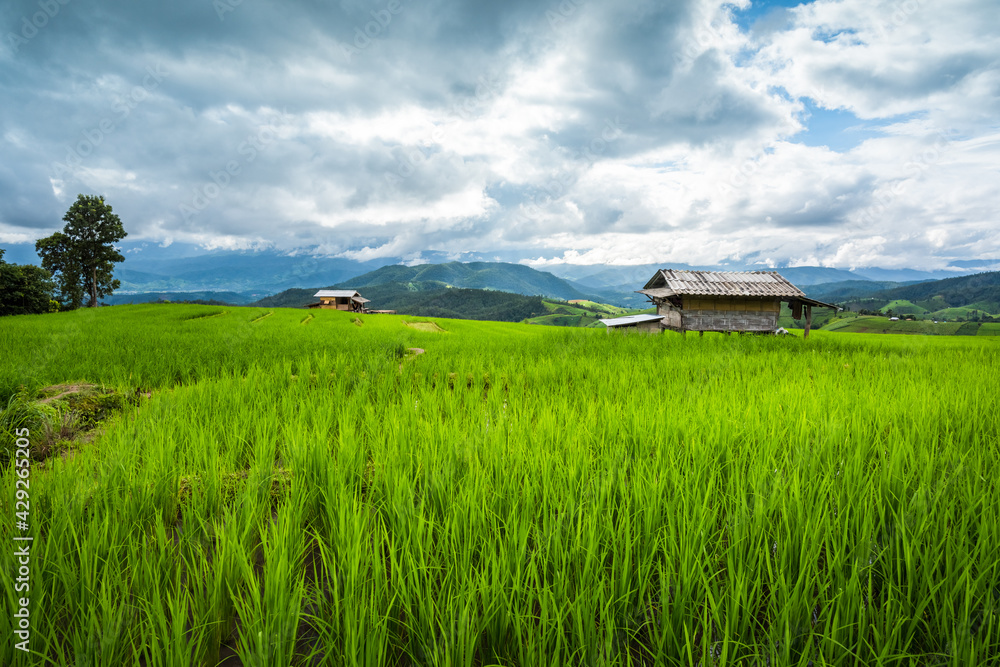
x=989, y=329
x=609, y=310
x=876, y=324
x=514, y=278
x=965, y=313
x=903, y=307
x=582, y=314
x=847, y=289
x=458, y=303
x=933, y=304
x=435, y=299
x=429, y=299
x=386, y=296
x=983, y=288
x=935, y=299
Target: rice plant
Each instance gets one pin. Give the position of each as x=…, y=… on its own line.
x=280, y=494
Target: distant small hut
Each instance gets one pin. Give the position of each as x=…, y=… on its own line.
x=340, y=299
x=726, y=301
x=640, y=323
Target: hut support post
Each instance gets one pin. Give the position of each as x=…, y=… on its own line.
x=809, y=314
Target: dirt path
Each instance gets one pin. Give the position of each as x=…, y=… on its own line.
x=429, y=327
x=411, y=353
x=65, y=390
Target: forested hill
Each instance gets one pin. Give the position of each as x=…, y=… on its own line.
x=980, y=288
x=851, y=289
x=980, y=291
x=503, y=277
x=430, y=299
x=468, y=304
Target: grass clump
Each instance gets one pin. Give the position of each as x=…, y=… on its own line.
x=24, y=414
x=57, y=417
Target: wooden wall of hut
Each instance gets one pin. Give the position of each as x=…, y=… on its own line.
x=729, y=314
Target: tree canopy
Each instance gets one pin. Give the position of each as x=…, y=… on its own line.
x=24, y=289
x=82, y=255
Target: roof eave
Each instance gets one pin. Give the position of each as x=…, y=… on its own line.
x=812, y=302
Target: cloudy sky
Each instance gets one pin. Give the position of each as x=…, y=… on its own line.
x=843, y=133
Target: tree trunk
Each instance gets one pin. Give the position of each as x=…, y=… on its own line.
x=93, y=288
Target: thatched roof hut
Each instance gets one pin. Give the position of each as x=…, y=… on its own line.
x=726, y=301
x=340, y=299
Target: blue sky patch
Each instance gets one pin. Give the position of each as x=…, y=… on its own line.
x=838, y=129
x=745, y=18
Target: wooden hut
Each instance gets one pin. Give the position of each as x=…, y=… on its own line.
x=340, y=299
x=726, y=301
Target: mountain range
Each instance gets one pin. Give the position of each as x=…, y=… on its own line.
x=393, y=287
x=184, y=271
x=515, y=278
x=949, y=298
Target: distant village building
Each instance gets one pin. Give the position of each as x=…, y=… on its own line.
x=725, y=301
x=340, y=299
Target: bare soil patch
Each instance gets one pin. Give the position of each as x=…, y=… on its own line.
x=430, y=327
x=58, y=391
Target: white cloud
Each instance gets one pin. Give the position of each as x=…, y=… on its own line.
x=431, y=139
x=14, y=237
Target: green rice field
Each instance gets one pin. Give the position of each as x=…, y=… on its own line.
x=878, y=325
x=214, y=486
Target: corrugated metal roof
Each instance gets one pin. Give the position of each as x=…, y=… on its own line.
x=360, y=299
x=631, y=319
x=329, y=293
x=671, y=282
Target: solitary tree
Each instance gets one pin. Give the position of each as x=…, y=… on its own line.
x=82, y=255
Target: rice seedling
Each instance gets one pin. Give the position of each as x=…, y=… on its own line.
x=516, y=495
